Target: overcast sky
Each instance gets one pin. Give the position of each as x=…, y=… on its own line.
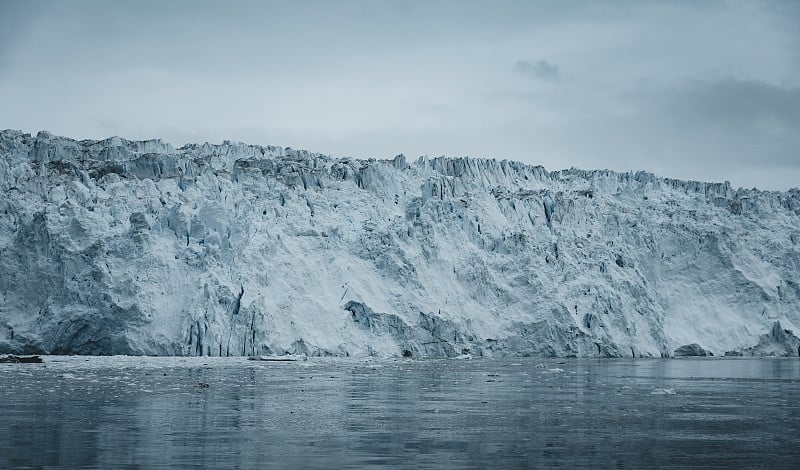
x=694, y=90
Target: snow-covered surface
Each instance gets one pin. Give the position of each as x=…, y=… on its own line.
x=121, y=247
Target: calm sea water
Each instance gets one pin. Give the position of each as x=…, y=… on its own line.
x=123, y=412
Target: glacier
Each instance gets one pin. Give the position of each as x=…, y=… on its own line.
x=139, y=248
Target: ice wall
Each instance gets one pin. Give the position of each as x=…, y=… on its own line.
x=121, y=247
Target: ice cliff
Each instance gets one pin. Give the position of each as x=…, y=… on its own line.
x=122, y=247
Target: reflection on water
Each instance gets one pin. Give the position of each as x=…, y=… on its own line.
x=124, y=412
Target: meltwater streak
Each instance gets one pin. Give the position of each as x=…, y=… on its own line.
x=114, y=412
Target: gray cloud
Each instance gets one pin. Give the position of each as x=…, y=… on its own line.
x=745, y=131
x=541, y=69
x=738, y=104
x=694, y=90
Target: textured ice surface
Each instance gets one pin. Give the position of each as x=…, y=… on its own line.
x=693, y=349
x=777, y=342
x=120, y=247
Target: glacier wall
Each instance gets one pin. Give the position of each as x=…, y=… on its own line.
x=121, y=247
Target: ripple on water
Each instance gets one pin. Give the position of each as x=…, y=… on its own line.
x=228, y=413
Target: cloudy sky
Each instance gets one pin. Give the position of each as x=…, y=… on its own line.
x=695, y=90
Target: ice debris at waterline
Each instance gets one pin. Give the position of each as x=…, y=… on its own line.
x=10, y=359
x=286, y=358
x=123, y=247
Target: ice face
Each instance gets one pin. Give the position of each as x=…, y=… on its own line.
x=122, y=247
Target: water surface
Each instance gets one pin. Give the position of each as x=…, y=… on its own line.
x=125, y=412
